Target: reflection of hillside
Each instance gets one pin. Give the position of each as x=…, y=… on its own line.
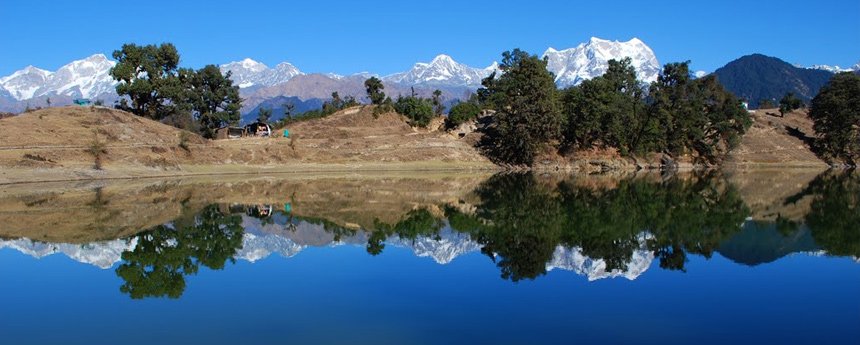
x=106, y=210
x=768, y=192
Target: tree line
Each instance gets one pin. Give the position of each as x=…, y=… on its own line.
x=676, y=114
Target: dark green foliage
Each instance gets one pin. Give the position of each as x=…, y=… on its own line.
x=527, y=113
x=765, y=104
x=418, y=110
x=374, y=89
x=416, y=223
x=264, y=115
x=212, y=98
x=789, y=103
x=164, y=256
x=438, y=107
x=607, y=111
x=148, y=76
x=694, y=116
x=836, y=113
x=462, y=112
x=757, y=77
x=834, y=216
x=521, y=221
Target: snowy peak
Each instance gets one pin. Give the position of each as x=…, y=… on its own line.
x=248, y=73
x=442, y=70
x=835, y=69
x=588, y=60
x=87, y=77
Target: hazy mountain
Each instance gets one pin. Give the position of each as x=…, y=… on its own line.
x=757, y=77
x=278, y=104
x=591, y=59
x=248, y=73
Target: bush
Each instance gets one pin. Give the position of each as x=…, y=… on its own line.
x=461, y=113
x=418, y=110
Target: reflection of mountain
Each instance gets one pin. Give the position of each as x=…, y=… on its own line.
x=760, y=243
x=444, y=248
x=101, y=254
x=572, y=259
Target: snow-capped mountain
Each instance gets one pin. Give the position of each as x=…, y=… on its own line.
x=589, y=60
x=100, y=254
x=248, y=73
x=836, y=69
x=86, y=78
x=572, y=259
x=443, y=70
x=443, y=249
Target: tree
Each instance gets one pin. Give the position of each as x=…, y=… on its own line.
x=148, y=76
x=214, y=100
x=48, y=102
x=695, y=116
x=835, y=112
x=289, y=108
x=527, y=114
x=462, y=112
x=607, y=110
x=418, y=110
x=264, y=115
x=789, y=103
x=438, y=107
x=374, y=89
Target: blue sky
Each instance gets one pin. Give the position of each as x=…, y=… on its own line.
x=389, y=36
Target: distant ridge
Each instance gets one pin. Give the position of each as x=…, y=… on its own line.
x=757, y=77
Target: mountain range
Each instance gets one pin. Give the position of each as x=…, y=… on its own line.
x=90, y=78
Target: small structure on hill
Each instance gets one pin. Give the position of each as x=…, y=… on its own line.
x=258, y=129
x=230, y=133
x=83, y=101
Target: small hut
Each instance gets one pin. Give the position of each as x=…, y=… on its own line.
x=229, y=133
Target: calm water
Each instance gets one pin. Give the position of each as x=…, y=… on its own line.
x=505, y=259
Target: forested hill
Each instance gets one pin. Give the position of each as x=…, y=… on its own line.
x=758, y=77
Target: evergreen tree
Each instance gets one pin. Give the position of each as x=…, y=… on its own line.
x=374, y=89
x=527, y=117
x=462, y=112
x=836, y=115
x=438, y=108
x=264, y=115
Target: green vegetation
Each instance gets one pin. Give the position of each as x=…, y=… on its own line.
x=197, y=100
x=164, y=255
x=374, y=89
x=678, y=115
x=527, y=113
x=834, y=216
x=836, y=115
x=462, y=112
x=418, y=110
x=789, y=103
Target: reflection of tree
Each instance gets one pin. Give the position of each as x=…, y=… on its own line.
x=418, y=222
x=834, y=216
x=164, y=256
x=520, y=222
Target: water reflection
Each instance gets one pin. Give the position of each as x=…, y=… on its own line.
x=525, y=225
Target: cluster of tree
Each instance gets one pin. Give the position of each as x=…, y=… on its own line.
x=420, y=111
x=461, y=113
x=678, y=114
x=152, y=85
x=835, y=112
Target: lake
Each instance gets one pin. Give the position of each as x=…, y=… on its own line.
x=434, y=258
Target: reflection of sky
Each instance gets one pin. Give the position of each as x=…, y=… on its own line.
x=344, y=295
